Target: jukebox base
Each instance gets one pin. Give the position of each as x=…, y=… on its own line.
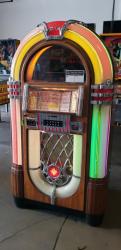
x=33, y=199
x=92, y=220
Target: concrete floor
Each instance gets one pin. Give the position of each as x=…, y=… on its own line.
x=22, y=229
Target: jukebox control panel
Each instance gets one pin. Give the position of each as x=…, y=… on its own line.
x=53, y=110
x=50, y=122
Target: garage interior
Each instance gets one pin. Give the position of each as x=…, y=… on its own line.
x=40, y=229
x=45, y=229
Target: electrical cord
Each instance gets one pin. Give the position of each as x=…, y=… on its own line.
x=59, y=232
x=113, y=16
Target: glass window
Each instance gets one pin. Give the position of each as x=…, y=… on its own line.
x=58, y=64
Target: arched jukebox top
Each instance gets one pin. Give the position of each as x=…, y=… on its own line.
x=71, y=36
x=58, y=70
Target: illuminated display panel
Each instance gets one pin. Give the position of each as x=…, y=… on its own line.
x=56, y=100
x=53, y=123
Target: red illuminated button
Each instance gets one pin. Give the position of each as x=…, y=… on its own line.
x=54, y=172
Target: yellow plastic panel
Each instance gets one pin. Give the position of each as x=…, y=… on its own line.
x=83, y=43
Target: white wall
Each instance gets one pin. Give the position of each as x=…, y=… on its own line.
x=21, y=16
x=117, y=13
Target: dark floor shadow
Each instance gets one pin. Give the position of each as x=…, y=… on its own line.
x=112, y=218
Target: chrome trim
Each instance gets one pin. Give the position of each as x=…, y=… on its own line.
x=101, y=102
x=43, y=27
x=101, y=94
x=106, y=85
x=14, y=88
x=25, y=97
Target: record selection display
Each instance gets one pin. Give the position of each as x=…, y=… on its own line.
x=53, y=100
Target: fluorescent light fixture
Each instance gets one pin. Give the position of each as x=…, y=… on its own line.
x=6, y=1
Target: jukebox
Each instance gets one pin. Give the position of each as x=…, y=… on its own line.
x=60, y=93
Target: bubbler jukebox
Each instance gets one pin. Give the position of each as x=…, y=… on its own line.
x=60, y=93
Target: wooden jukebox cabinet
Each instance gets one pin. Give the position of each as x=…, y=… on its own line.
x=60, y=97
